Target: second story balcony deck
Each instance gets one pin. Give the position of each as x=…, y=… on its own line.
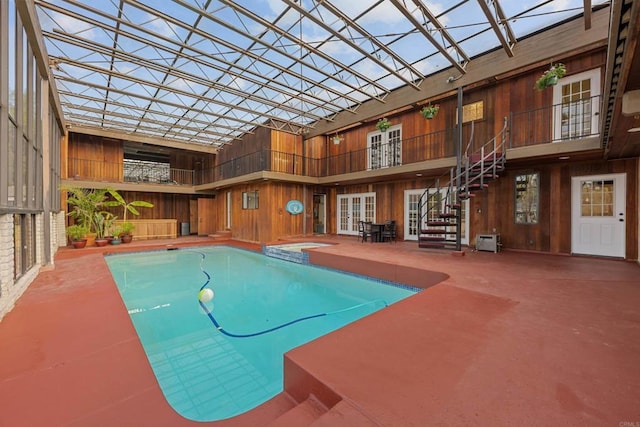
x=567, y=127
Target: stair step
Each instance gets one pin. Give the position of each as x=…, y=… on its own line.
x=440, y=223
x=436, y=245
x=477, y=186
x=303, y=414
x=221, y=235
x=436, y=231
x=432, y=239
x=435, y=239
x=448, y=215
x=464, y=196
x=344, y=413
x=453, y=206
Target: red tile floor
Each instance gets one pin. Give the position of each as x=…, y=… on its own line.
x=494, y=339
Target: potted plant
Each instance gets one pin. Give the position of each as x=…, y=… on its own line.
x=84, y=203
x=551, y=76
x=430, y=111
x=383, y=124
x=126, y=229
x=116, y=240
x=102, y=222
x=76, y=234
x=108, y=225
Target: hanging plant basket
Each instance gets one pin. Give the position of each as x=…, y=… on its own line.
x=383, y=124
x=551, y=76
x=430, y=111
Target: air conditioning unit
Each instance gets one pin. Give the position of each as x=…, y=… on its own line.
x=488, y=242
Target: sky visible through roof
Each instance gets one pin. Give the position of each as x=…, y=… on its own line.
x=209, y=71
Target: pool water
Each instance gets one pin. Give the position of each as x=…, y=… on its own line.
x=206, y=375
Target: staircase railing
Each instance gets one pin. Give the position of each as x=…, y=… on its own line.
x=476, y=169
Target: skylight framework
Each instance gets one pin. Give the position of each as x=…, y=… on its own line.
x=210, y=71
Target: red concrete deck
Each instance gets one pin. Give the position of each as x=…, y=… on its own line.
x=504, y=339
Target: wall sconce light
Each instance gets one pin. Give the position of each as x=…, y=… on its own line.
x=337, y=139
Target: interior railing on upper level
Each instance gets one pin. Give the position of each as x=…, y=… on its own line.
x=554, y=124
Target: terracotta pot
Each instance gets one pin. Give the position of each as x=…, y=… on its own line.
x=101, y=242
x=79, y=244
x=91, y=239
x=126, y=239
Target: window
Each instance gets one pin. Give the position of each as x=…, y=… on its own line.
x=596, y=198
x=250, y=200
x=24, y=238
x=575, y=100
x=527, y=195
x=385, y=148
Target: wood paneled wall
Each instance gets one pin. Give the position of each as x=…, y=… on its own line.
x=271, y=220
x=165, y=206
x=103, y=157
x=494, y=207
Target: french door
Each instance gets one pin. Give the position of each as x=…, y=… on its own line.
x=353, y=208
x=414, y=219
x=577, y=109
x=598, y=223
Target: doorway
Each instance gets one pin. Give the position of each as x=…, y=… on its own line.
x=353, y=208
x=319, y=213
x=598, y=223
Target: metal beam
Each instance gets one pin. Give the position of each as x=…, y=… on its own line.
x=306, y=46
x=352, y=24
x=497, y=19
x=460, y=60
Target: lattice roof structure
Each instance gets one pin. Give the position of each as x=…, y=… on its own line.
x=209, y=71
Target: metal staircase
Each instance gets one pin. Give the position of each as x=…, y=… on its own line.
x=440, y=219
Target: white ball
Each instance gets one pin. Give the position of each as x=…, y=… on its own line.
x=205, y=295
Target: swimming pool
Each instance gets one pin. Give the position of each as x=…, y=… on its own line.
x=206, y=374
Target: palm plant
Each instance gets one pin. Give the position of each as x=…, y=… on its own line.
x=85, y=203
x=126, y=207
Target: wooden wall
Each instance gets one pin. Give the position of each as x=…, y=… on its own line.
x=493, y=208
x=271, y=220
x=101, y=158
x=501, y=97
x=165, y=206
x=553, y=232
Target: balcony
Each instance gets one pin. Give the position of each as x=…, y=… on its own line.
x=568, y=123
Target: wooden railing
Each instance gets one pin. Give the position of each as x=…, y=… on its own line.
x=146, y=229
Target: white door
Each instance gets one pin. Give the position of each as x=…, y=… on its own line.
x=598, y=223
x=412, y=215
x=576, y=105
x=353, y=208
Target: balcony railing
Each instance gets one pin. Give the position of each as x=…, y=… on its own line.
x=94, y=170
x=557, y=123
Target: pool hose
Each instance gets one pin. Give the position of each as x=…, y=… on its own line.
x=275, y=328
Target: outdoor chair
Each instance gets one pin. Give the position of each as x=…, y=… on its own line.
x=366, y=231
x=389, y=232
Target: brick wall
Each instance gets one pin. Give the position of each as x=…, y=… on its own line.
x=10, y=289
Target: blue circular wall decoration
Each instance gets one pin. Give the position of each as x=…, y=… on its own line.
x=294, y=207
